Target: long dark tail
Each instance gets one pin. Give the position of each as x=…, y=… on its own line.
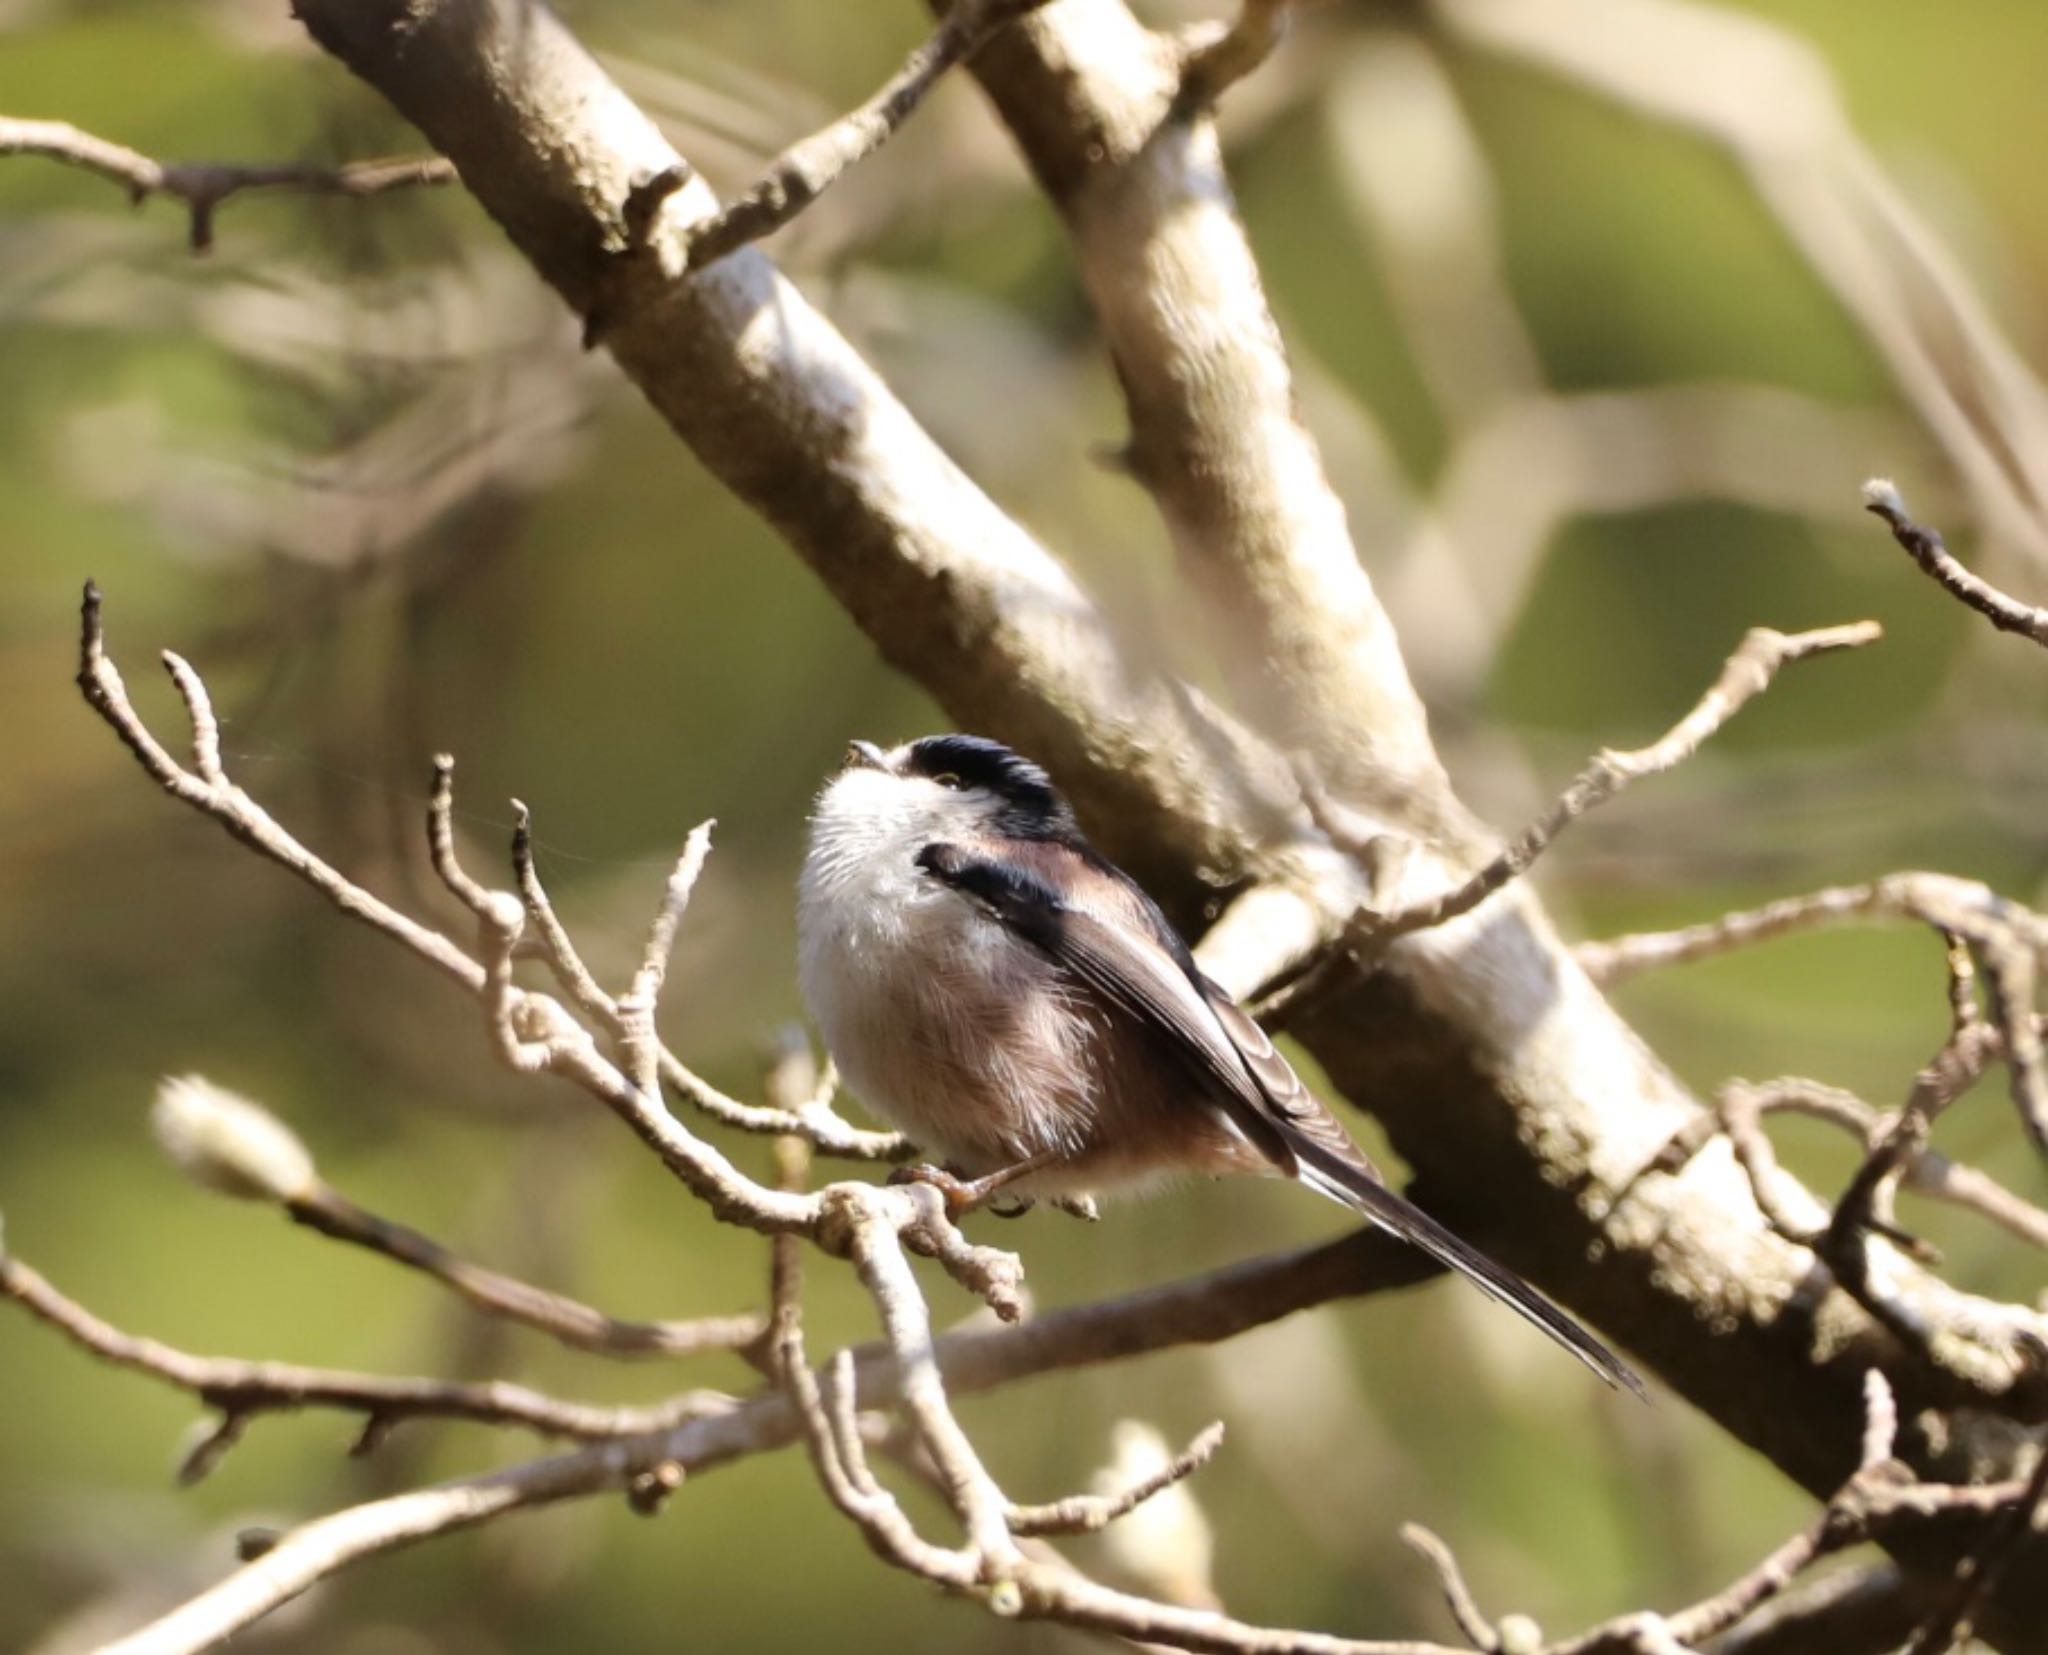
x=1330, y=1174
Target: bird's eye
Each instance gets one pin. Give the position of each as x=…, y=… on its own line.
x=947, y=778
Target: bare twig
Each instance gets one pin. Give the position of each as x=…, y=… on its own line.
x=1216, y=58
x=2011, y=968
x=1747, y=674
x=1926, y=548
x=560, y=1317
x=204, y=185
x=1086, y=1513
x=1879, y=1493
x=1961, y=906
x=836, y=1452
x=301, y=1558
x=1741, y=1105
x=639, y=1043
x=808, y=168
x=1844, y=1244
x=982, y=1507
x=240, y=815
x=1977, y=1573
x=814, y=1120
x=534, y=1032
x=1008, y=1579
x=239, y=1391
x=1854, y=1611
x=228, y=1144
x=1458, y=1598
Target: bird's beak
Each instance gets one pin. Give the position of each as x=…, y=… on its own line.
x=864, y=755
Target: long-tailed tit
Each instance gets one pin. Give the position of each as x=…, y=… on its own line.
x=994, y=988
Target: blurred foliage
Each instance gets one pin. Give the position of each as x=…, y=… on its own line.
x=355, y=467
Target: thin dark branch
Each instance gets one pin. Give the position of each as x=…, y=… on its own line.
x=808, y=168
x=239, y=1390
x=204, y=185
x=1978, y=1572
x=813, y=1119
x=1926, y=548
x=568, y=1320
x=1869, y=1611
x=1746, y=675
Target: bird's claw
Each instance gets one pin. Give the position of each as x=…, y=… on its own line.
x=961, y=1197
x=966, y=1195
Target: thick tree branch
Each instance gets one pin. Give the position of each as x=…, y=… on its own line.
x=786, y=414
x=1103, y=113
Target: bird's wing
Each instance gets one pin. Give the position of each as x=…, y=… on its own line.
x=1124, y=966
x=1094, y=922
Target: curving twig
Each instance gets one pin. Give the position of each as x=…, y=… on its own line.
x=567, y=1320
x=1926, y=548
x=813, y=1119
x=1218, y=57
x=1088, y=1513
x=2008, y=939
x=226, y=1143
x=204, y=185
x=534, y=1032
x=811, y=166
x=1965, y=907
x=1746, y=674
x=240, y=1391
x=1879, y=1497
x=1740, y=1108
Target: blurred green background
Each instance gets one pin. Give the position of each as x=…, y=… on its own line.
x=354, y=465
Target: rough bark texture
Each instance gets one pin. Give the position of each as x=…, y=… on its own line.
x=1521, y=1099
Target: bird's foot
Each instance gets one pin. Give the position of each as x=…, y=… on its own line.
x=1078, y=1206
x=966, y=1195
x=962, y=1195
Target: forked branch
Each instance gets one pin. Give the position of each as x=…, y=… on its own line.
x=808, y=168
x=1746, y=675
x=204, y=185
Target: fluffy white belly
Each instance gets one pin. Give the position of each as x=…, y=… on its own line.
x=954, y=1031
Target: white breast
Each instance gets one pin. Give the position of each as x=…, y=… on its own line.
x=941, y=1022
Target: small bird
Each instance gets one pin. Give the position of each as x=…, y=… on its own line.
x=997, y=990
